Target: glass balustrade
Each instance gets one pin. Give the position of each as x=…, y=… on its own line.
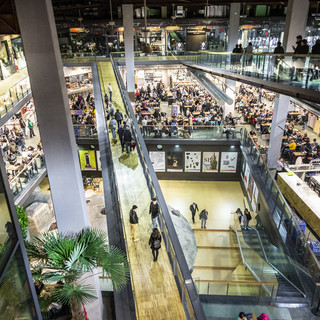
x=21, y=179
x=13, y=95
x=85, y=131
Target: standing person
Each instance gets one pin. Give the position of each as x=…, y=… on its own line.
x=110, y=91
x=30, y=126
x=134, y=220
x=110, y=111
x=118, y=115
x=305, y=119
x=112, y=127
x=106, y=100
x=22, y=125
x=278, y=50
x=154, y=210
x=249, y=51
x=239, y=215
x=247, y=218
x=120, y=134
x=144, y=123
x=203, y=217
x=315, y=61
x=155, y=243
x=127, y=139
x=193, y=208
x=279, y=168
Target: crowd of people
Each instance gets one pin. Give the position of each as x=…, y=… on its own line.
x=83, y=108
x=16, y=151
x=193, y=106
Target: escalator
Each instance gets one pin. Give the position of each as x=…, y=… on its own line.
x=290, y=289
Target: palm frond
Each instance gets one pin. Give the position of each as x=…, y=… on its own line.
x=115, y=264
x=74, y=293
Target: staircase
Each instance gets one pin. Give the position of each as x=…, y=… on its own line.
x=290, y=287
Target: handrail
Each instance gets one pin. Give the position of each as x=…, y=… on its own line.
x=273, y=266
x=250, y=283
x=244, y=260
x=25, y=168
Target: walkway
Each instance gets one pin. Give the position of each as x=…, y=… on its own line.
x=155, y=291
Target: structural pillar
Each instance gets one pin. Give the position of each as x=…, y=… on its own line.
x=129, y=47
x=280, y=112
x=296, y=21
x=41, y=47
x=234, y=22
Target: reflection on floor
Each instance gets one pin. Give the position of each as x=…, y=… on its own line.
x=156, y=293
x=218, y=259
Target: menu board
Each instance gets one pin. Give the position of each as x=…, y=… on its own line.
x=210, y=162
x=192, y=161
x=87, y=160
x=158, y=160
x=229, y=162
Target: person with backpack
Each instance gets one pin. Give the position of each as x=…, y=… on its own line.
x=246, y=218
x=155, y=243
x=119, y=117
x=154, y=210
x=203, y=217
x=112, y=127
x=30, y=126
x=134, y=220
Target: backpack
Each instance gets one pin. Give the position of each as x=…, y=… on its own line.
x=156, y=244
x=249, y=216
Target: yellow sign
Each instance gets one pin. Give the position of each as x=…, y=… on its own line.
x=87, y=160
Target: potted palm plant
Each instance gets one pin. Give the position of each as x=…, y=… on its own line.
x=62, y=261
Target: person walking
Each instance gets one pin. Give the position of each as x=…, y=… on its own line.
x=112, y=127
x=305, y=119
x=193, y=208
x=22, y=125
x=203, y=217
x=127, y=139
x=134, y=220
x=154, y=210
x=155, y=243
x=110, y=111
x=118, y=116
x=120, y=134
x=30, y=126
x=110, y=91
x=106, y=100
x=247, y=217
x=239, y=215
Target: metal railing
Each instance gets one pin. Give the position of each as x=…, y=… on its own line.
x=14, y=95
x=294, y=243
x=189, y=297
x=258, y=268
x=24, y=178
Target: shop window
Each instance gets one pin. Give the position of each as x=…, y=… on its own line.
x=5, y=61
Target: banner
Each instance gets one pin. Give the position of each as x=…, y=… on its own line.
x=210, y=162
x=87, y=160
x=228, y=161
x=192, y=161
x=158, y=160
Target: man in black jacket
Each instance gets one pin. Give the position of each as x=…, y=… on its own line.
x=154, y=211
x=133, y=222
x=127, y=138
x=120, y=134
x=193, y=208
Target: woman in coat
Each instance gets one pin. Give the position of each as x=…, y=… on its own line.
x=155, y=243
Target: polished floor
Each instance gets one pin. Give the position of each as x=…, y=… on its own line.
x=155, y=291
x=218, y=266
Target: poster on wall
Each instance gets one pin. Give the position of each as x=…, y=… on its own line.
x=210, y=162
x=250, y=187
x=246, y=176
x=98, y=160
x=174, y=161
x=255, y=193
x=158, y=160
x=87, y=160
x=192, y=161
x=228, y=161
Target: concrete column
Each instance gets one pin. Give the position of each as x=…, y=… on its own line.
x=280, y=112
x=234, y=22
x=127, y=10
x=230, y=91
x=296, y=21
x=41, y=47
